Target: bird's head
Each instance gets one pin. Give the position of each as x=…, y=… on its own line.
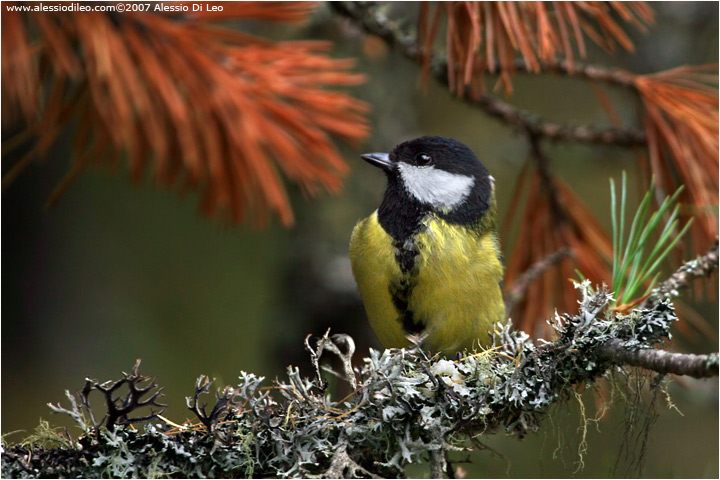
x=439, y=173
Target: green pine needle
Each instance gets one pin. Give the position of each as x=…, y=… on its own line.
x=635, y=270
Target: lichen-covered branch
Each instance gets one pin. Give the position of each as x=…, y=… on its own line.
x=701, y=267
x=407, y=408
x=698, y=366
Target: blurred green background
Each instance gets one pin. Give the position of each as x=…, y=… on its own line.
x=118, y=271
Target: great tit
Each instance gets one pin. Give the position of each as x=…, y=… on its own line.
x=427, y=261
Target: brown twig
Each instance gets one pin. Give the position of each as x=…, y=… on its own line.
x=542, y=162
x=527, y=121
x=520, y=286
x=661, y=361
x=612, y=76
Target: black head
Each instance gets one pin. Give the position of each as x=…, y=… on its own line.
x=432, y=174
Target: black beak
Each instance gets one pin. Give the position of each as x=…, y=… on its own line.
x=381, y=160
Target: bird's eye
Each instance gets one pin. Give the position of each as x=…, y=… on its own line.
x=423, y=159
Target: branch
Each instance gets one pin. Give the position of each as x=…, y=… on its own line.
x=368, y=16
x=698, y=366
x=542, y=162
x=702, y=267
x=407, y=408
x=612, y=76
x=527, y=121
x=660, y=361
x=520, y=286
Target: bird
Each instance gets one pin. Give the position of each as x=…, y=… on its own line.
x=427, y=262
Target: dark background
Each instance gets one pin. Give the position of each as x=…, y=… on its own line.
x=118, y=271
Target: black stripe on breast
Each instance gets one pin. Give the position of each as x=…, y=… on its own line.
x=402, y=217
x=406, y=316
x=406, y=252
x=411, y=325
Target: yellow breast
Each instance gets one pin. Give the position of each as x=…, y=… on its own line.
x=455, y=284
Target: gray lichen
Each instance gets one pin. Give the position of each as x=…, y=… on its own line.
x=405, y=408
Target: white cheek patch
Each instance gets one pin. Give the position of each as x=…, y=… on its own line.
x=434, y=186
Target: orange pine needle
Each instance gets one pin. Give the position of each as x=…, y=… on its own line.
x=225, y=112
x=681, y=121
x=489, y=36
x=543, y=231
